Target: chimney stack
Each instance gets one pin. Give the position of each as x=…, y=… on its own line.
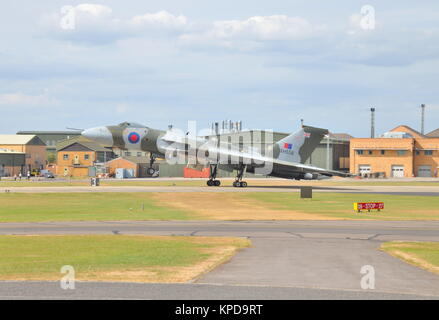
x=372, y=122
x=422, y=117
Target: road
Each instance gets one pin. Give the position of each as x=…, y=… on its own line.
x=287, y=260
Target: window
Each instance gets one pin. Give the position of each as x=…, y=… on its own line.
x=86, y=156
x=370, y=152
x=65, y=157
x=428, y=152
x=400, y=152
x=139, y=154
x=383, y=152
x=417, y=152
x=128, y=154
x=359, y=151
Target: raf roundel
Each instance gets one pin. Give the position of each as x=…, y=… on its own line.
x=133, y=137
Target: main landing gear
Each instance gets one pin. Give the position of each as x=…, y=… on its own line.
x=238, y=182
x=151, y=170
x=213, y=172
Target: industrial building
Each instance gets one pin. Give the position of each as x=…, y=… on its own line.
x=32, y=146
x=51, y=138
x=401, y=152
x=332, y=153
x=11, y=162
x=127, y=153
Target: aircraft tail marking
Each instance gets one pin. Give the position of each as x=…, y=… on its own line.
x=298, y=146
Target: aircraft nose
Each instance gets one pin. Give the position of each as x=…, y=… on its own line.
x=100, y=135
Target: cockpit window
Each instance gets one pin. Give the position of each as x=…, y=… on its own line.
x=131, y=125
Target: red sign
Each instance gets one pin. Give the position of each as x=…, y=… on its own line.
x=370, y=205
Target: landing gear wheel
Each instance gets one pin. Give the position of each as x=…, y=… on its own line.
x=213, y=183
x=243, y=184
x=236, y=184
x=150, y=171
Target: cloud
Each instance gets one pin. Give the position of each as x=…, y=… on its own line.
x=353, y=43
x=24, y=100
x=96, y=24
x=95, y=10
x=255, y=32
x=160, y=20
x=261, y=28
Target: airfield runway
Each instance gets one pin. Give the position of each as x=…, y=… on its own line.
x=287, y=260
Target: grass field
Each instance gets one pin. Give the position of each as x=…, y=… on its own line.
x=114, y=257
x=33, y=207
x=340, y=205
x=421, y=254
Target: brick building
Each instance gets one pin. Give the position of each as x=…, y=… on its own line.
x=137, y=164
x=78, y=157
x=401, y=152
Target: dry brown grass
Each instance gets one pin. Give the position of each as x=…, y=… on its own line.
x=395, y=249
x=230, y=206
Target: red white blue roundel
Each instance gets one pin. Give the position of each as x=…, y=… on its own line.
x=133, y=137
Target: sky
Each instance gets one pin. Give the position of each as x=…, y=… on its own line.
x=268, y=63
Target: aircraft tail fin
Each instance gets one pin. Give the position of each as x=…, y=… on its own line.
x=298, y=146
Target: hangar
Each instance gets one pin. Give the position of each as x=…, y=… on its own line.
x=51, y=138
x=11, y=162
x=32, y=146
x=331, y=153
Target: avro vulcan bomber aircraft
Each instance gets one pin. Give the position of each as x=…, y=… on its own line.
x=284, y=158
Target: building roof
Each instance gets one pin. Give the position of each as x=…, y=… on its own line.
x=433, y=134
x=25, y=139
x=75, y=133
x=82, y=141
x=404, y=128
x=340, y=136
x=136, y=160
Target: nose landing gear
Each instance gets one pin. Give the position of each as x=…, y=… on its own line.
x=151, y=170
